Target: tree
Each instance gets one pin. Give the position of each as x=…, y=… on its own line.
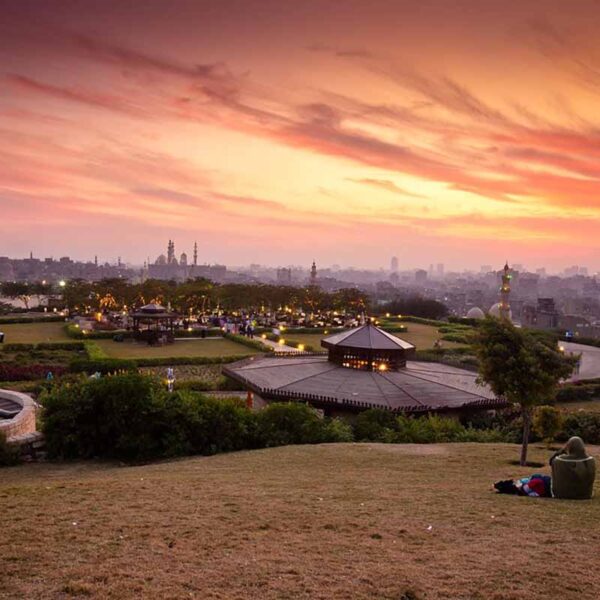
x=18, y=291
x=520, y=368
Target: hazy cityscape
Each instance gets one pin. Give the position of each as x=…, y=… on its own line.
x=567, y=300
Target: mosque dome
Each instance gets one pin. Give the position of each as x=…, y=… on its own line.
x=495, y=311
x=475, y=313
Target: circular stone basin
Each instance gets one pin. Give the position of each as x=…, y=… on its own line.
x=17, y=414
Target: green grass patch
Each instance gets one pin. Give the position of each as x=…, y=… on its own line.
x=34, y=333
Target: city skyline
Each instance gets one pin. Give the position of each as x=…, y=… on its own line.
x=274, y=133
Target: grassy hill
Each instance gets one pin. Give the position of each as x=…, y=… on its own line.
x=332, y=521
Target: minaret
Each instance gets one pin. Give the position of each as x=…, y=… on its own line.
x=505, y=293
x=195, y=253
x=313, y=274
x=170, y=252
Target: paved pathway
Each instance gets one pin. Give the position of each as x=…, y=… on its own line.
x=279, y=348
x=590, y=360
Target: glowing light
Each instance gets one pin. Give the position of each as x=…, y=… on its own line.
x=382, y=367
x=281, y=342
x=301, y=347
x=387, y=315
x=264, y=336
x=62, y=283
x=189, y=329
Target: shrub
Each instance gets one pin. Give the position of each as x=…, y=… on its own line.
x=280, y=424
x=132, y=417
x=585, y=425
x=375, y=425
x=339, y=430
x=378, y=425
x=217, y=425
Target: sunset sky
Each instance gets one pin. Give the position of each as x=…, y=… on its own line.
x=275, y=132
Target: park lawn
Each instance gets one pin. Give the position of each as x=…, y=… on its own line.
x=189, y=347
x=34, y=333
x=422, y=336
x=360, y=521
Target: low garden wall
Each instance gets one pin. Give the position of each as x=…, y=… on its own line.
x=24, y=422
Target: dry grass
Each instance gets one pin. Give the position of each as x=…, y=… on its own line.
x=340, y=521
x=34, y=333
x=192, y=347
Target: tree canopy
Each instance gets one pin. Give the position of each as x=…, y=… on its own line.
x=520, y=367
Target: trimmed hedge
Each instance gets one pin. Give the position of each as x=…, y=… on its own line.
x=465, y=321
x=17, y=347
x=111, y=365
x=585, y=341
x=579, y=391
x=249, y=342
x=423, y=321
x=76, y=333
x=14, y=320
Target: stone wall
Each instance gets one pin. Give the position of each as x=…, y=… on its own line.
x=23, y=423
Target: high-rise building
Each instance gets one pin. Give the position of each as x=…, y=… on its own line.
x=440, y=270
x=394, y=264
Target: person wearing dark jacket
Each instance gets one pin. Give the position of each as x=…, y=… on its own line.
x=573, y=471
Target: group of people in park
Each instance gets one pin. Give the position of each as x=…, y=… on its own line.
x=240, y=326
x=573, y=475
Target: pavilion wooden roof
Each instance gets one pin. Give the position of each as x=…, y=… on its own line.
x=367, y=337
x=420, y=387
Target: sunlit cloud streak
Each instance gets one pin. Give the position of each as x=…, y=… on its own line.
x=341, y=136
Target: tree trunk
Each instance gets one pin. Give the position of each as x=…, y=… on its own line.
x=526, y=414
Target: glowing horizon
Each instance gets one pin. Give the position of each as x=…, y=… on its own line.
x=274, y=133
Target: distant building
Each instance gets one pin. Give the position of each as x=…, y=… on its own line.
x=170, y=269
x=284, y=276
x=313, y=274
x=394, y=264
x=420, y=276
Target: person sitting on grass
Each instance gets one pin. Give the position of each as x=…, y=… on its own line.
x=573, y=471
x=573, y=474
